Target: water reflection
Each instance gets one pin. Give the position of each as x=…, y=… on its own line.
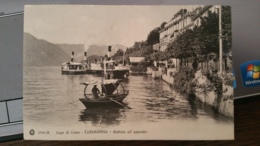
x=160, y=99
x=171, y=109
x=202, y=109
x=107, y=116
x=193, y=105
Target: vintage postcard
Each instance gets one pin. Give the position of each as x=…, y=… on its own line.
x=128, y=72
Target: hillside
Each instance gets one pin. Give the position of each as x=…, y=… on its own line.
x=91, y=59
x=39, y=52
x=42, y=53
x=77, y=48
x=101, y=50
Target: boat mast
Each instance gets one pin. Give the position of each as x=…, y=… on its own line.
x=123, y=58
x=105, y=68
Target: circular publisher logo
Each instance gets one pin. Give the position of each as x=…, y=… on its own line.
x=32, y=132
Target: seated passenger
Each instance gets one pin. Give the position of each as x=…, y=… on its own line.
x=95, y=92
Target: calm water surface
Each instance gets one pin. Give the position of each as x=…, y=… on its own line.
x=53, y=99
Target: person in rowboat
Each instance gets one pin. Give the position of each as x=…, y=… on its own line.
x=95, y=92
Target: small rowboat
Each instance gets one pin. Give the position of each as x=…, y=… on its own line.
x=112, y=94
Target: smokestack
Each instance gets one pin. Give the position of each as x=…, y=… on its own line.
x=109, y=50
x=72, y=56
x=85, y=56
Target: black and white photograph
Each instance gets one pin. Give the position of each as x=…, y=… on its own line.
x=128, y=72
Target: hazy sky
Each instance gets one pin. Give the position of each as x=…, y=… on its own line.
x=81, y=24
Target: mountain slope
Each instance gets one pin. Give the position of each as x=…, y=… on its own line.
x=42, y=53
x=92, y=58
x=39, y=52
x=77, y=48
x=101, y=50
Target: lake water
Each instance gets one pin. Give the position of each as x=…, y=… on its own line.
x=52, y=100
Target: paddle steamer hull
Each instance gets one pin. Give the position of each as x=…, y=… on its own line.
x=118, y=74
x=73, y=72
x=98, y=72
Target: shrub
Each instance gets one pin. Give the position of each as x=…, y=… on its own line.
x=229, y=80
x=182, y=80
x=171, y=74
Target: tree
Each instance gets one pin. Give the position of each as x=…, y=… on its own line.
x=207, y=36
x=163, y=25
x=141, y=67
x=182, y=47
x=138, y=49
x=139, y=45
x=159, y=56
x=226, y=32
x=118, y=55
x=198, y=43
x=119, y=52
x=154, y=36
x=226, y=28
x=147, y=50
x=180, y=12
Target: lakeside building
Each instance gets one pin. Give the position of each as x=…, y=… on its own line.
x=180, y=22
x=136, y=60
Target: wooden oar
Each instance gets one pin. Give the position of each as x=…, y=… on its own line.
x=119, y=103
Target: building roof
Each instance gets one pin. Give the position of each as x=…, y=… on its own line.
x=191, y=14
x=170, y=23
x=136, y=59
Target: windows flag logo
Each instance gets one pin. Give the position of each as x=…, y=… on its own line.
x=251, y=73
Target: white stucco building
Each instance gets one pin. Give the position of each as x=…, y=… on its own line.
x=182, y=21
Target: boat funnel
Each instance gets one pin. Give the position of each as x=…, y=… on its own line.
x=109, y=50
x=85, y=56
x=72, y=56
